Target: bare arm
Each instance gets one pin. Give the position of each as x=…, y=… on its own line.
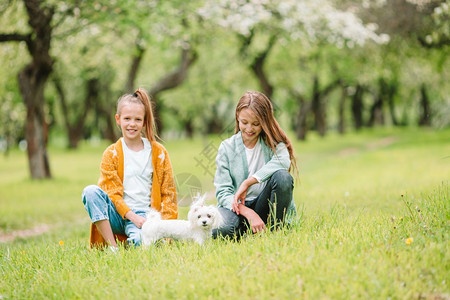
x=242, y=193
x=136, y=219
x=256, y=223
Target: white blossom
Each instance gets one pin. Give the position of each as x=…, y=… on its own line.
x=317, y=19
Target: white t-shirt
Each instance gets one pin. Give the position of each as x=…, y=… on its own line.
x=138, y=176
x=255, y=160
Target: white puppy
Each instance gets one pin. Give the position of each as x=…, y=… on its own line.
x=201, y=221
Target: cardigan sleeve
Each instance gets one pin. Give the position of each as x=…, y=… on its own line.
x=169, y=206
x=279, y=161
x=223, y=181
x=110, y=181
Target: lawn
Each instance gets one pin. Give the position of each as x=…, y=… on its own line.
x=373, y=223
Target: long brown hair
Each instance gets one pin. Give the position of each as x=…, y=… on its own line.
x=140, y=96
x=271, y=133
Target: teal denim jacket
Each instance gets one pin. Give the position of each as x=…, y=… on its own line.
x=232, y=168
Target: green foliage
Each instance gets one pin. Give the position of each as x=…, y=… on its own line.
x=373, y=223
x=99, y=38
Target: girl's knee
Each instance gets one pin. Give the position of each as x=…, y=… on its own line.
x=283, y=179
x=91, y=193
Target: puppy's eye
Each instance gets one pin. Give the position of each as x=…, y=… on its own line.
x=199, y=216
x=209, y=216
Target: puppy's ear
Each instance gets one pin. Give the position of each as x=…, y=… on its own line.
x=199, y=200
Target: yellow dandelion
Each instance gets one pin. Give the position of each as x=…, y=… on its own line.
x=401, y=218
x=409, y=240
x=61, y=243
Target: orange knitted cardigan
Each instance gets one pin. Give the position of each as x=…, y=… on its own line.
x=163, y=193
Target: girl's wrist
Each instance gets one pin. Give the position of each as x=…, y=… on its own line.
x=129, y=215
x=246, y=211
x=250, y=181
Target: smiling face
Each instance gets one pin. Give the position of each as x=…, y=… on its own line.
x=250, y=127
x=131, y=121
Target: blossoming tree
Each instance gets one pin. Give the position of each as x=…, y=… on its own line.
x=261, y=24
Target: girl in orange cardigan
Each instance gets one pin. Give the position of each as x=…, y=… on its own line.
x=136, y=174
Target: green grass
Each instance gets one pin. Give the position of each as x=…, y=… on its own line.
x=360, y=198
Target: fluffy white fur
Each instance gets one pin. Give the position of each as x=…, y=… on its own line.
x=201, y=221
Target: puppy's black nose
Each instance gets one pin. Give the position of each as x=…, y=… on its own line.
x=204, y=222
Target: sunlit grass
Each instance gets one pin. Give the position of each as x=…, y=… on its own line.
x=371, y=171
x=373, y=223
x=334, y=254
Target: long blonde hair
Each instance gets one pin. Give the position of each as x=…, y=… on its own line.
x=271, y=133
x=140, y=96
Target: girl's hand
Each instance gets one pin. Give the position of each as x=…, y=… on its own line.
x=239, y=196
x=256, y=223
x=136, y=219
x=242, y=193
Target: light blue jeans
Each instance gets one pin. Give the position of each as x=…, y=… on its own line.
x=100, y=207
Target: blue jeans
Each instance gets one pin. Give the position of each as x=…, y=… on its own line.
x=100, y=207
x=270, y=205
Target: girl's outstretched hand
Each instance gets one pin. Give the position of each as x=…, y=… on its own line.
x=136, y=219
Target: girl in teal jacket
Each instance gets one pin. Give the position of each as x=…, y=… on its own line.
x=253, y=184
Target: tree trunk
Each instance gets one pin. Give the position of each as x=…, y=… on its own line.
x=392, y=111
x=358, y=107
x=258, y=61
x=189, y=128
x=425, y=118
x=76, y=131
x=302, y=116
x=341, y=110
x=376, y=112
x=170, y=81
x=134, y=68
x=300, y=123
x=389, y=90
x=257, y=66
x=35, y=136
x=318, y=109
x=318, y=104
x=157, y=108
x=32, y=80
x=75, y=128
x=106, y=113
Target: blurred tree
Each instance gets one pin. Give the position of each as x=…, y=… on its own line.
x=357, y=106
x=44, y=17
x=102, y=34
x=415, y=27
x=260, y=24
x=172, y=80
x=75, y=128
x=425, y=119
x=11, y=118
x=424, y=21
x=156, y=21
x=205, y=103
x=12, y=110
x=32, y=80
